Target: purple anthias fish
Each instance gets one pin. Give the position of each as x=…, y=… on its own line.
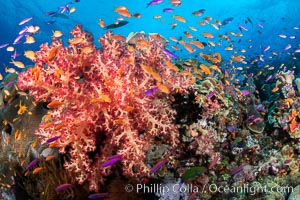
x=242, y=27
x=51, y=22
x=63, y=186
x=260, y=107
x=3, y=45
x=98, y=195
x=159, y=165
x=245, y=92
x=266, y=48
x=23, y=30
x=150, y=91
x=169, y=53
x=50, y=13
x=25, y=20
x=231, y=128
x=268, y=78
x=32, y=164
x=52, y=139
x=211, y=94
x=168, y=10
x=15, y=55
x=154, y=2
x=111, y=160
x=65, y=8
x=9, y=84
x=227, y=21
x=18, y=39
x=287, y=47
x=237, y=169
x=260, y=25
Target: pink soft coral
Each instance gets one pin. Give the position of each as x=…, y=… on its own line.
x=105, y=110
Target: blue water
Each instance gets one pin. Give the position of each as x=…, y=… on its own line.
x=277, y=17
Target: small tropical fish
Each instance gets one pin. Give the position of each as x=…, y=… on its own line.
x=98, y=195
x=63, y=186
x=168, y=10
x=3, y=45
x=179, y=18
x=154, y=2
x=237, y=169
x=25, y=20
x=159, y=165
x=166, y=51
x=30, y=55
x=33, y=29
x=227, y=21
x=150, y=91
x=32, y=164
x=54, y=104
x=101, y=23
x=119, y=24
x=52, y=53
x=245, y=92
x=35, y=143
x=37, y=170
x=29, y=40
x=282, y=35
x=50, y=157
x=287, y=47
x=112, y=160
x=242, y=27
x=18, y=39
x=176, y=2
x=123, y=10
x=18, y=64
x=207, y=35
x=171, y=66
x=163, y=88
x=266, y=48
x=260, y=25
x=53, y=139
x=73, y=9
x=189, y=48
x=57, y=33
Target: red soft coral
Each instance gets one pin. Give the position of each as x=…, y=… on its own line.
x=104, y=108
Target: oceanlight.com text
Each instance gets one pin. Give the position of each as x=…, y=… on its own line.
x=211, y=188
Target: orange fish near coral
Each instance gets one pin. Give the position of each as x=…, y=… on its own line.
x=189, y=48
x=37, y=170
x=163, y=88
x=205, y=69
x=54, y=104
x=52, y=53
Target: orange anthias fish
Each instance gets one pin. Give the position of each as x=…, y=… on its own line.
x=54, y=104
x=207, y=35
x=52, y=53
x=123, y=10
x=205, y=69
x=197, y=44
x=101, y=23
x=189, y=48
x=179, y=18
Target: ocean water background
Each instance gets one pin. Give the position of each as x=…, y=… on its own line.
x=277, y=17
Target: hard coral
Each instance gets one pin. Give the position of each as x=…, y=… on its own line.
x=99, y=107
